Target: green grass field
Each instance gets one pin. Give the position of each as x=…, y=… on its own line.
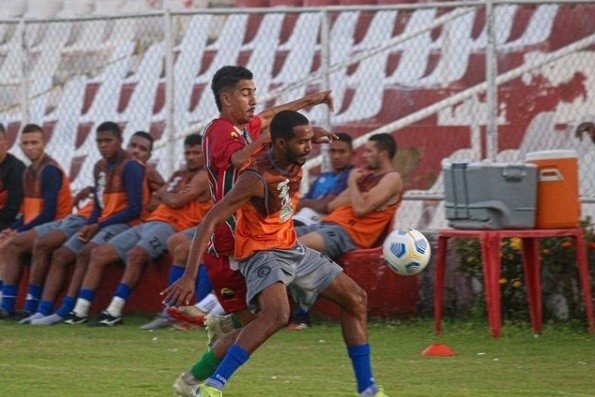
x=124, y=361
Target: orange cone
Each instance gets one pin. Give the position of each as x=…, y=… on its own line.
x=438, y=349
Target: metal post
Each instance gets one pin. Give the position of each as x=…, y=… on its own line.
x=492, y=88
x=325, y=65
x=23, y=73
x=169, y=94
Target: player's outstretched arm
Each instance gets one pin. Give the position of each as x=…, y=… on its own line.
x=321, y=97
x=249, y=185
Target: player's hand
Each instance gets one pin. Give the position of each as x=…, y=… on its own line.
x=264, y=138
x=323, y=136
x=324, y=97
x=6, y=237
x=180, y=292
x=355, y=175
x=87, y=232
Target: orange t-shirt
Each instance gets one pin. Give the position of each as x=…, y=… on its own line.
x=364, y=231
x=267, y=223
x=189, y=215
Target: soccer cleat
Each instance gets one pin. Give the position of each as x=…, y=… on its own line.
x=73, y=319
x=217, y=327
x=6, y=315
x=206, y=391
x=31, y=318
x=380, y=392
x=23, y=314
x=296, y=326
x=184, y=384
x=187, y=314
x=160, y=321
x=107, y=320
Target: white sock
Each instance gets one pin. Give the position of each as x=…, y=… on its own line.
x=218, y=310
x=116, y=305
x=207, y=303
x=81, y=308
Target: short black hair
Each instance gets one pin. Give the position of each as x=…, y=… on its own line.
x=110, y=126
x=147, y=136
x=32, y=128
x=344, y=137
x=226, y=78
x=283, y=123
x=2, y=129
x=385, y=142
x=193, y=140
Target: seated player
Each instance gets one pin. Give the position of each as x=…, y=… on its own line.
x=47, y=198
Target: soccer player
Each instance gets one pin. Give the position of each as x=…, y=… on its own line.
x=11, y=184
x=273, y=261
x=183, y=202
x=327, y=185
x=361, y=213
x=47, y=197
x=51, y=236
x=228, y=142
x=121, y=192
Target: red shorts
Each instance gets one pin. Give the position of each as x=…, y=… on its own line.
x=228, y=285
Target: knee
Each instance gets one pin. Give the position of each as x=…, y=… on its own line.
x=19, y=244
x=42, y=246
x=98, y=256
x=358, y=300
x=181, y=252
x=277, y=317
x=136, y=257
x=62, y=257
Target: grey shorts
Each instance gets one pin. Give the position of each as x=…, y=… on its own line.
x=336, y=239
x=190, y=232
x=305, y=272
x=69, y=226
x=151, y=237
x=102, y=236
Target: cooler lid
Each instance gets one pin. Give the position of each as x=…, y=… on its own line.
x=551, y=154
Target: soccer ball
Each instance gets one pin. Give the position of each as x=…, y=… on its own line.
x=406, y=252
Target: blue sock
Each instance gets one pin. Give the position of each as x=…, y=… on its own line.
x=33, y=297
x=175, y=272
x=66, y=307
x=123, y=291
x=360, y=359
x=9, y=297
x=87, y=294
x=234, y=359
x=203, y=283
x=46, y=308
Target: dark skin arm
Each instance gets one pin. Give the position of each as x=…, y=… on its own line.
x=322, y=97
x=248, y=186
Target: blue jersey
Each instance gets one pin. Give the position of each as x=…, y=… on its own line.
x=329, y=183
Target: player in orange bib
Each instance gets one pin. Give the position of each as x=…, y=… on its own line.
x=47, y=198
x=273, y=262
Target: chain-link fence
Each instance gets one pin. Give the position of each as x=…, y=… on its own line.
x=450, y=80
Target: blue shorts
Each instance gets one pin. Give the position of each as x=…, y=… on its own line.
x=304, y=271
x=190, y=232
x=336, y=239
x=151, y=237
x=69, y=226
x=102, y=236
